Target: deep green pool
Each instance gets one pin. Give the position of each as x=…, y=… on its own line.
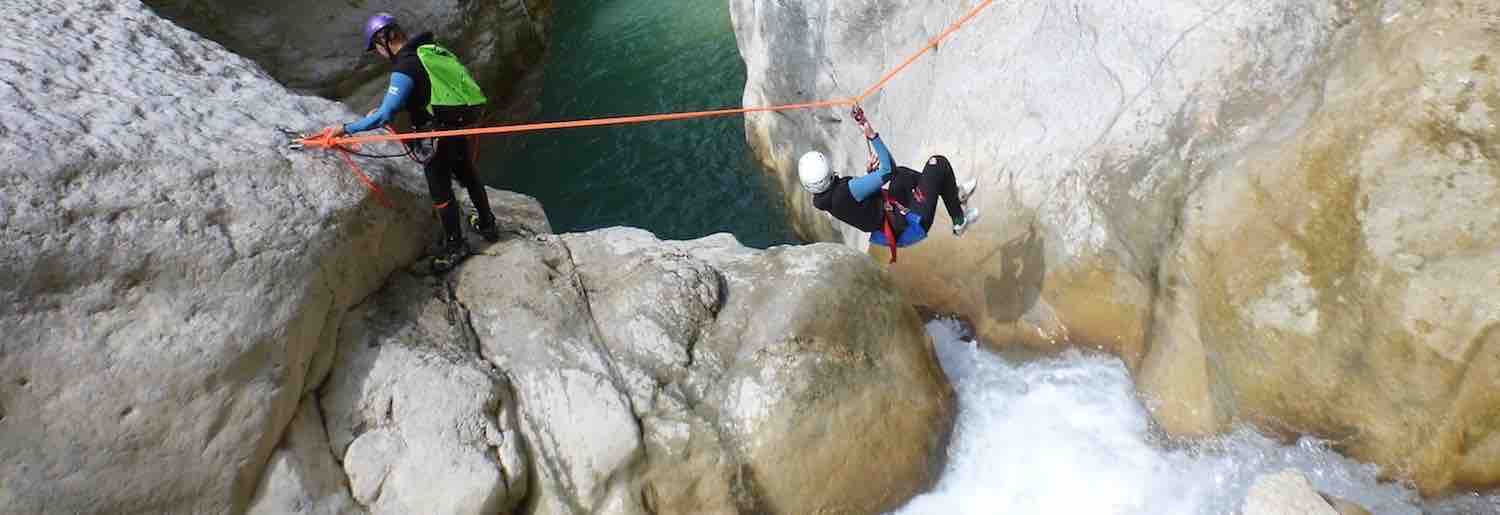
x=681, y=180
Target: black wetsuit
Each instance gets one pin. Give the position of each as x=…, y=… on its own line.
x=867, y=215
x=936, y=181
x=453, y=157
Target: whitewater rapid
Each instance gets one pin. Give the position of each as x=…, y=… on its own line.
x=1068, y=435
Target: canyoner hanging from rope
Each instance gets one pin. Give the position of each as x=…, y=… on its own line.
x=886, y=216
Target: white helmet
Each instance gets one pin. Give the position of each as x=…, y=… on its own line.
x=813, y=170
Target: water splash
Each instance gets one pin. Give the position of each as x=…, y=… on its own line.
x=1068, y=435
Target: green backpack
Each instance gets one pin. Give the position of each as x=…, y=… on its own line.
x=456, y=99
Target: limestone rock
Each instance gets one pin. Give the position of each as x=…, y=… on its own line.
x=421, y=422
x=676, y=377
x=1285, y=493
x=319, y=47
x=303, y=477
x=171, y=278
x=1340, y=279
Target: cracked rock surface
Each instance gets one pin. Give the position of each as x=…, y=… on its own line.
x=633, y=375
x=1277, y=212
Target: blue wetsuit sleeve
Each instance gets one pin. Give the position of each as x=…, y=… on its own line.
x=861, y=188
x=886, y=163
x=395, y=97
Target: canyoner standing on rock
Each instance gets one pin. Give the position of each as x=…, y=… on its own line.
x=438, y=93
x=896, y=205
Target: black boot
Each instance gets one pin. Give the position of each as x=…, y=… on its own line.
x=451, y=252
x=490, y=231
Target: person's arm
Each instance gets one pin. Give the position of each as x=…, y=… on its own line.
x=887, y=164
x=862, y=187
x=395, y=97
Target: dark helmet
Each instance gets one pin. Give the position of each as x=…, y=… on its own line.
x=373, y=26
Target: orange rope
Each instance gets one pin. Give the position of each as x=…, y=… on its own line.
x=324, y=141
x=931, y=44
x=379, y=195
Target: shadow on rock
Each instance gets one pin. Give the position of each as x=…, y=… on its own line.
x=1017, y=287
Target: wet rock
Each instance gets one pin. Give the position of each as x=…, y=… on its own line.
x=171, y=278
x=1285, y=493
x=319, y=47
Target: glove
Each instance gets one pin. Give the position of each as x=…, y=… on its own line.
x=859, y=115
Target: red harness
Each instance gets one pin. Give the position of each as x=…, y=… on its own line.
x=891, y=205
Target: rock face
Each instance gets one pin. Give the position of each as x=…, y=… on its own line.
x=1342, y=279
x=171, y=279
x=1276, y=212
x=318, y=46
x=647, y=377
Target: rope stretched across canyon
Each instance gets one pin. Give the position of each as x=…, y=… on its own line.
x=342, y=143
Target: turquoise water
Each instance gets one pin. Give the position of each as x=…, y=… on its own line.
x=681, y=180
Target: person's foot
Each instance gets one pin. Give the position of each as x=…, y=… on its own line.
x=490, y=231
x=966, y=189
x=971, y=215
x=450, y=253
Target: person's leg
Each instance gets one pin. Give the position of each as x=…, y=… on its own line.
x=468, y=175
x=946, y=184
x=938, y=183
x=440, y=188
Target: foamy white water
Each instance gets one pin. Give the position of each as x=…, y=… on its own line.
x=1067, y=435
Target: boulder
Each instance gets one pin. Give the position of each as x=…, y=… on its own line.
x=712, y=377
x=171, y=277
x=1285, y=493
x=318, y=47
x=1275, y=212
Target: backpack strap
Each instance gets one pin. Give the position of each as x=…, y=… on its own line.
x=890, y=234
